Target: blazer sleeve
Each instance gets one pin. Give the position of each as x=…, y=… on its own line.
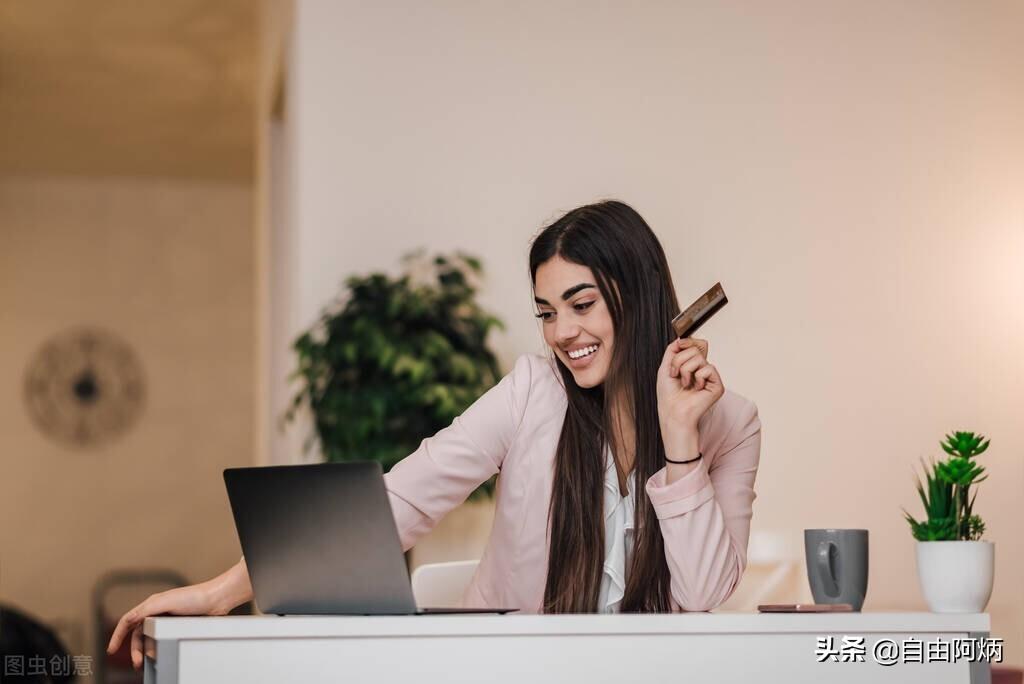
x=446, y=468
x=705, y=517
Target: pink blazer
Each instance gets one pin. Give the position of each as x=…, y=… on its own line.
x=514, y=429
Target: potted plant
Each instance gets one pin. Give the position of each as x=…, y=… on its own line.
x=396, y=360
x=954, y=565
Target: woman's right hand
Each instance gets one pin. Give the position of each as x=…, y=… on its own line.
x=216, y=596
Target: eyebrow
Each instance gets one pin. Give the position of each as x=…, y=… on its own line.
x=565, y=295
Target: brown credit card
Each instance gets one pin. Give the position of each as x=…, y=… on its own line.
x=806, y=608
x=698, y=313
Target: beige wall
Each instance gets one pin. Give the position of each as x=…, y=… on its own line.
x=851, y=172
x=168, y=267
x=273, y=237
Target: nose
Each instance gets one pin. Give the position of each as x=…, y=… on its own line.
x=566, y=332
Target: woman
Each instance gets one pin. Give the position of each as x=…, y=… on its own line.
x=621, y=402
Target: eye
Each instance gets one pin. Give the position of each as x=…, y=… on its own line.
x=543, y=315
x=582, y=306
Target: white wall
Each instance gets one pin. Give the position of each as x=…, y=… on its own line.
x=851, y=172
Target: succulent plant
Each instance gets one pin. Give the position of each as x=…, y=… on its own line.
x=964, y=444
x=959, y=471
x=948, y=504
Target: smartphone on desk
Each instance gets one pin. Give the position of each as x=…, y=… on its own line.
x=806, y=608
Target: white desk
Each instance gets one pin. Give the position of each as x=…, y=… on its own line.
x=529, y=649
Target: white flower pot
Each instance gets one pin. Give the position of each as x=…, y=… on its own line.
x=956, y=576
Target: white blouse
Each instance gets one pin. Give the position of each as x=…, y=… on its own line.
x=618, y=536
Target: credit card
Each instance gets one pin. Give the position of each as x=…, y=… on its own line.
x=698, y=313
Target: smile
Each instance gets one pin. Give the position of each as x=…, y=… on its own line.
x=583, y=357
x=584, y=352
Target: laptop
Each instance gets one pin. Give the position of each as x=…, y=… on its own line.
x=321, y=540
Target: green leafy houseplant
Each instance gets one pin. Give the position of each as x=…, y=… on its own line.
x=945, y=493
x=396, y=360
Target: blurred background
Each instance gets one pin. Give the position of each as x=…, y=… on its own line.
x=185, y=186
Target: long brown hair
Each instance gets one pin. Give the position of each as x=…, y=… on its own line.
x=632, y=274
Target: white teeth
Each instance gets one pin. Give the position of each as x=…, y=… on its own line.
x=580, y=353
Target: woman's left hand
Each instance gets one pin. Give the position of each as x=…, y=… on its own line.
x=687, y=385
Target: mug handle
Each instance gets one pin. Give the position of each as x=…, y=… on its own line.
x=826, y=570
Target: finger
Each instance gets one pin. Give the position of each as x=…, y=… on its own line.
x=149, y=647
x=137, y=647
x=671, y=350
x=712, y=378
x=701, y=377
x=695, y=342
x=125, y=624
x=685, y=365
x=681, y=358
x=687, y=369
x=151, y=606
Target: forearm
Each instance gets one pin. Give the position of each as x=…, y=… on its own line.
x=681, y=445
x=704, y=564
x=702, y=561
x=230, y=588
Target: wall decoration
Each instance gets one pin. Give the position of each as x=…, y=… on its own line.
x=84, y=387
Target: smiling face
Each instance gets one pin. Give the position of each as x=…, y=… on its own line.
x=576, y=321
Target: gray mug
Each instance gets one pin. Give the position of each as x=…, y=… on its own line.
x=837, y=565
